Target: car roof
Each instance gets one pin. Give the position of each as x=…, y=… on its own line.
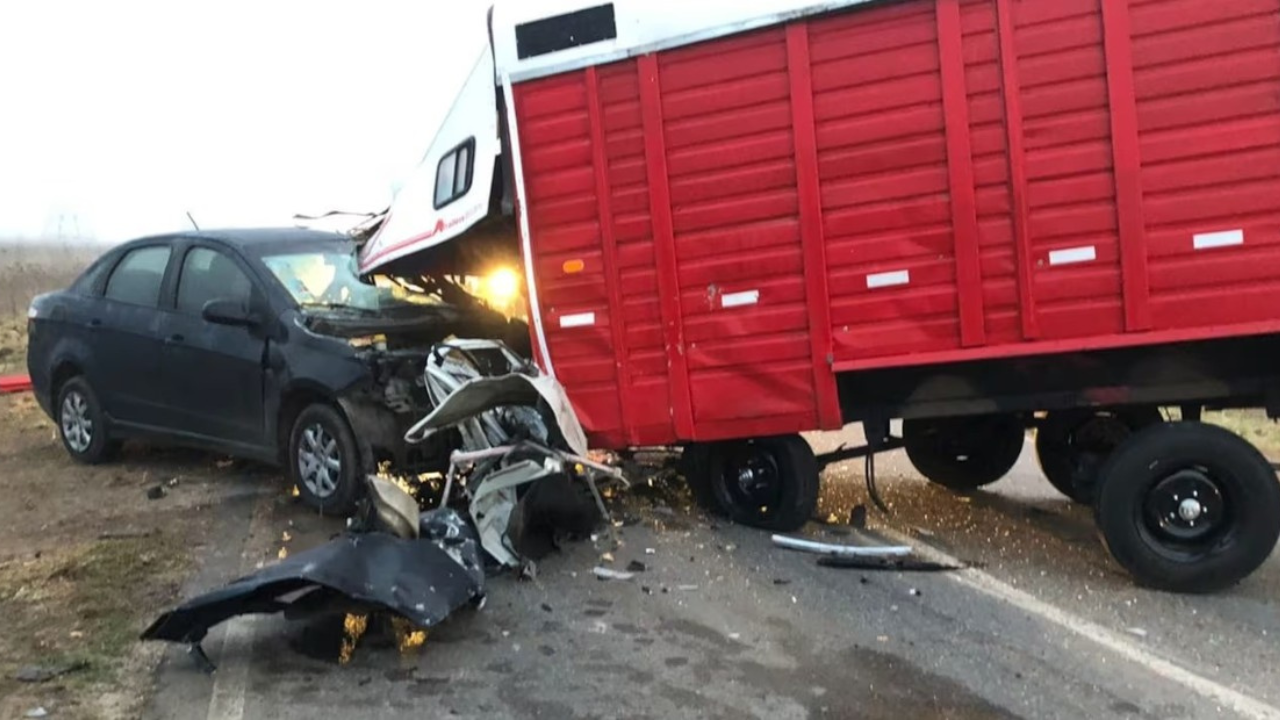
x=256, y=240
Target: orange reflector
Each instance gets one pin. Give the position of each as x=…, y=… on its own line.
x=573, y=267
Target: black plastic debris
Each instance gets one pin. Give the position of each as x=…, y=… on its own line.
x=43, y=673
x=423, y=580
x=636, y=566
x=889, y=564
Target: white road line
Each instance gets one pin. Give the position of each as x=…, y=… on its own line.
x=1118, y=644
x=231, y=681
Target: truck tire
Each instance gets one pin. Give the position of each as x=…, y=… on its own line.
x=324, y=461
x=769, y=483
x=1188, y=507
x=964, y=453
x=1072, y=445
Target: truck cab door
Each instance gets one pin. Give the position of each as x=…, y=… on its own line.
x=451, y=190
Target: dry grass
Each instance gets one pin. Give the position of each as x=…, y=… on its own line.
x=27, y=270
x=80, y=605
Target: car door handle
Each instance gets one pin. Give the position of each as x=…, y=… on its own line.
x=175, y=340
x=95, y=323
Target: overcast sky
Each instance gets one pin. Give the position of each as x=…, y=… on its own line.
x=121, y=116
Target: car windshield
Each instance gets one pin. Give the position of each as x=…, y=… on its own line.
x=330, y=280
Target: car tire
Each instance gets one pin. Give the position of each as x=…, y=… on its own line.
x=82, y=424
x=324, y=461
x=782, y=472
x=964, y=453
x=1073, y=445
x=1188, y=507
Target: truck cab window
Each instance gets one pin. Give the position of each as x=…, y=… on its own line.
x=453, y=176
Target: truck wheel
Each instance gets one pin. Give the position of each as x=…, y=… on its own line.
x=964, y=453
x=324, y=460
x=1072, y=445
x=82, y=425
x=1188, y=507
x=770, y=483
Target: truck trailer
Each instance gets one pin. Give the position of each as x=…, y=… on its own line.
x=743, y=220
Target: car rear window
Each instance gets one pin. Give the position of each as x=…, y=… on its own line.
x=138, y=277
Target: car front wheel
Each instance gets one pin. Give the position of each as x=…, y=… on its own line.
x=82, y=425
x=324, y=461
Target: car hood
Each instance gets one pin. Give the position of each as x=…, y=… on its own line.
x=416, y=326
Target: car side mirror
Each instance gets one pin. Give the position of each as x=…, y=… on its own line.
x=229, y=312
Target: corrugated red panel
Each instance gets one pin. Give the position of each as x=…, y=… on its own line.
x=1206, y=78
x=927, y=180
x=735, y=216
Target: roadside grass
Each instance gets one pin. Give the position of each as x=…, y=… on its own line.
x=13, y=345
x=81, y=605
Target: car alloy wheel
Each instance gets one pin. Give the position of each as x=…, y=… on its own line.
x=319, y=461
x=77, y=426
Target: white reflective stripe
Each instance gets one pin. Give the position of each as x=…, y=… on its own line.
x=1073, y=255
x=739, y=299
x=1226, y=238
x=579, y=320
x=889, y=279
x=526, y=250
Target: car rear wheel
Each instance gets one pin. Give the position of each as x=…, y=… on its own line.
x=82, y=425
x=324, y=460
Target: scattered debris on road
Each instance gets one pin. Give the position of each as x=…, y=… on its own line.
x=887, y=564
x=423, y=580
x=604, y=573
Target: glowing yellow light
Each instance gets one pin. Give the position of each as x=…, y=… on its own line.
x=573, y=267
x=502, y=287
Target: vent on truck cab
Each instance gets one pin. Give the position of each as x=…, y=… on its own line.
x=562, y=32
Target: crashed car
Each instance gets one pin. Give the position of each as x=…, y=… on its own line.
x=519, y=462
x=264, y=344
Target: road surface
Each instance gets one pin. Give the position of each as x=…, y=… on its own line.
x=723, y=625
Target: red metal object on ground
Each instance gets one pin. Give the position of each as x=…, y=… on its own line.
x=894, y=185
x=14, y=384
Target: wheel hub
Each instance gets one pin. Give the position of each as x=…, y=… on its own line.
x=1187, y=506
x=757, y=481
x=1190, y=510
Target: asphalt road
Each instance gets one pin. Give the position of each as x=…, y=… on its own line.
x=723, y=625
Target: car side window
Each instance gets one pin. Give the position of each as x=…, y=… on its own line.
x=136, y=280
x=209, y=275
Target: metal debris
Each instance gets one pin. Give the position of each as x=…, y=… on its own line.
x=833, y=550
x=604, y=573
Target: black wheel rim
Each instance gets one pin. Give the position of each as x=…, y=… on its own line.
x=1187, y=514
x=751, y=482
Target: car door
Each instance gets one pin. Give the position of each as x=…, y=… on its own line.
x=124, y=336
x=212, y=374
